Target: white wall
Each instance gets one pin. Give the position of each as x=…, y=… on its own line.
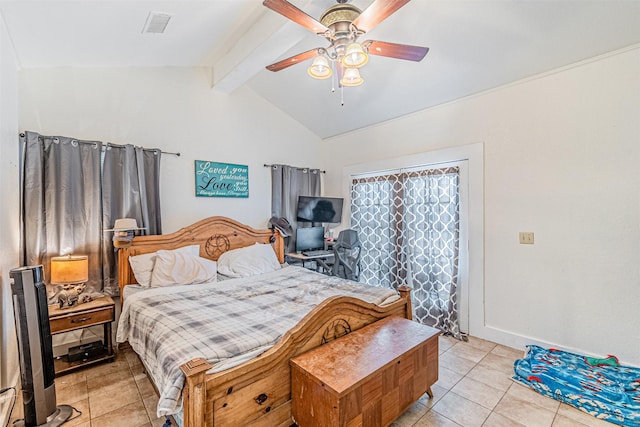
x=9, y=219
x=173, y=109
x=561, y=159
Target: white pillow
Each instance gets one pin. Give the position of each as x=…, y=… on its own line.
x=142, y=265
x=181, y=268
x=249, y=261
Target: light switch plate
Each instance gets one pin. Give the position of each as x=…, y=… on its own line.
x=526, y=237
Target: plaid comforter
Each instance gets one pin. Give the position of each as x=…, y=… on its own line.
x=225, y=322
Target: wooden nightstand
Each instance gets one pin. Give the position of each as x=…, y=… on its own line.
x=100, y=311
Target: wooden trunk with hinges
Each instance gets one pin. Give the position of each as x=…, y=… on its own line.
x=366, y=378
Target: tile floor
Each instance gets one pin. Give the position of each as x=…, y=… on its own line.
x=474, y=389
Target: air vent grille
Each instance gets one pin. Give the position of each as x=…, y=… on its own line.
x=156, y=23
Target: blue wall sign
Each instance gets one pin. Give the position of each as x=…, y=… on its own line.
x=221, y=179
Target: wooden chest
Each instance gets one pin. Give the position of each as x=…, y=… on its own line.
x=366, y=378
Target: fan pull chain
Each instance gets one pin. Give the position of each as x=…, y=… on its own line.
x=333, y=77
x=342, y=95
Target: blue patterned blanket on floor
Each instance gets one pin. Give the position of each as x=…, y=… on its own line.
x=607, y=391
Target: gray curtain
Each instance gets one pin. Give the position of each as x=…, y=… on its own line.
x=61, y=202
x=287, y=183
x=131, y=189
x=409, y=224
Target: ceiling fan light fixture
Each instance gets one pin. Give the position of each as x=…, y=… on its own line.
x=351, y=77
x=320, y=68
x=355, y=56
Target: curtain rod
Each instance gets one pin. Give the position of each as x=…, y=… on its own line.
x=269, y=166
x=22, y=135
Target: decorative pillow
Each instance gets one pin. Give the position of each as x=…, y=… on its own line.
x=182, y=268
x=249, y=261
x=142, y=265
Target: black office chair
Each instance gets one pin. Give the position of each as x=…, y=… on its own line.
x=347, y=250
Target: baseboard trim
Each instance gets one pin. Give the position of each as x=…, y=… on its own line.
x=511, y=339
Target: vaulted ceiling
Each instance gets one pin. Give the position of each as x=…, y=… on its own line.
x=475, y=45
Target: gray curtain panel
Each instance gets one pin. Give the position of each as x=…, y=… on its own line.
x=131, y=189
x=409, y=224
x=61, y=203
x=287, y=183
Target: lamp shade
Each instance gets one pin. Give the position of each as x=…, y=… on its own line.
x=354, y=56
x=319, y=68
x=351, y=77
x=69, y=269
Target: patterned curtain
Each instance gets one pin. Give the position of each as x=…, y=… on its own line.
x=409, y=226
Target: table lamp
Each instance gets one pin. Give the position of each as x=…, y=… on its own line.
x=72, y=272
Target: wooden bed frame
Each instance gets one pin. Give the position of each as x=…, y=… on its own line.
x=257, y=392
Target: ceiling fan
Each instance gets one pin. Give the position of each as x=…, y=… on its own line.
x=342, y=25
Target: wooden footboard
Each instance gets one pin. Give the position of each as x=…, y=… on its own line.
x=258, y=392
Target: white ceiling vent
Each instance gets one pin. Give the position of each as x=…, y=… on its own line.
x=156, y=23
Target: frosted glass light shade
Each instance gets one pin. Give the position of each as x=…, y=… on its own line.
x=320, y=68
x=354, y=56
x=69, y=269
x=351, y=77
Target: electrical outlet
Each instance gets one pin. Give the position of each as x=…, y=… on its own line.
x=526, y=237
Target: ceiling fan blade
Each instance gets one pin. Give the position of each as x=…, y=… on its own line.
x=281, y=65
x=394, y=50
x=288, y=10
x=377, y=12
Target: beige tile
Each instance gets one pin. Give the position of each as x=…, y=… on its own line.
x=145, y=387
x=447, y=378
x=481, y=344
x=463, y=349
x=108, y=379
x=478, y=392
x=159, y=422
x=497, y=420
x=492, y=377
x=132, y=415
x=581, y=417
x=151, y=405
x=499, y=363
x=461, y=410
x=434, y=419
x=437, y=391
x=71, y=378
x=410, y=416
x=83, y=418
x=456, y=363
x=524, y=412
x=521, y=392
x=509, y=352
x=106, y=399
x=562, y=421
x=445, y=342
x=118, y=366
x=72, y=393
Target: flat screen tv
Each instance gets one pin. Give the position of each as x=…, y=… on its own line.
x=319, y=209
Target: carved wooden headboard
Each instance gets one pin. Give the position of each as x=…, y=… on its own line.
x=215, y=235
